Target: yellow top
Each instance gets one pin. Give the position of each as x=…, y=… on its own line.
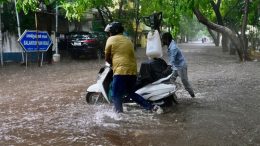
x=120, y=52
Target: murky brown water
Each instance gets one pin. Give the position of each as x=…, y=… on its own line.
x=46, y=106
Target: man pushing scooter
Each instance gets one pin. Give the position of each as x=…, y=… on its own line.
x=117, y=83
x=119, y=53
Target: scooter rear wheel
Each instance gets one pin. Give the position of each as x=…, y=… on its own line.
x=95, y=98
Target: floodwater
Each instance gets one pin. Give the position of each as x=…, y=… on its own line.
x=46, y=105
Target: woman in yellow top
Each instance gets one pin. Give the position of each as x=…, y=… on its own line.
x=119, y=52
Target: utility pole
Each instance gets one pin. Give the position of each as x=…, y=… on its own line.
x=40, y=9
x=56, y=56
x=19, y=29
x=36, y=27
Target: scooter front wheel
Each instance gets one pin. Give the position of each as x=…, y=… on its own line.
x=95, y=98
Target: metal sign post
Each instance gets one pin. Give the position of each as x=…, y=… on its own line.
x=56, y=56
x=35, y=41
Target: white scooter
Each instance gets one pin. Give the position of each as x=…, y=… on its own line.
x=160, y=92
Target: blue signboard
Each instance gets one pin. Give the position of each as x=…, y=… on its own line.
x=34, y=41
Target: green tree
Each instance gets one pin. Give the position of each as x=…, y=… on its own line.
x=214, y=14
x=210, y=13
x=238, y=40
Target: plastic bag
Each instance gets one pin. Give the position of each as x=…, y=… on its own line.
x=154, y=45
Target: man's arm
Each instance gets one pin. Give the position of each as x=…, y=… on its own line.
x=172, y=56
x=108, y=53
x=167, y=71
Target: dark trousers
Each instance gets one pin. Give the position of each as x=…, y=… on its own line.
x=124, y=85
x=182, y=72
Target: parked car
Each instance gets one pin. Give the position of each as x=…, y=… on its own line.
x=82, y=43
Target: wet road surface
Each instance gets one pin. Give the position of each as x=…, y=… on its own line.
x=46, y=106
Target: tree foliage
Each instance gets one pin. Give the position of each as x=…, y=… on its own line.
x=74, y=9
x=177, y=15
x=9, y=18
x=172, y=9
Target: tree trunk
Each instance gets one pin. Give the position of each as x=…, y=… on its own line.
x=45, y=24
x=78, y=26
x=220, y=29
x=120, y=10
x=102, y=17
x=109, y=15
x=215, y=7
x=1, y=44
x=232, y=49
x=216, y=11
x=136, y=24
x=214, y=36
x=105, y=14
x=224, y=43
x=243, y=29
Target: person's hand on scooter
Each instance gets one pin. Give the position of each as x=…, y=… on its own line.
x=167, y=71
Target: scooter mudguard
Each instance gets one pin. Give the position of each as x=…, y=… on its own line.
x=160, y=94
x=94, y=88
x=155, y=92
x=156, y=88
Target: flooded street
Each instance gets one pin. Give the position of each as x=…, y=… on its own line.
x=46, y=105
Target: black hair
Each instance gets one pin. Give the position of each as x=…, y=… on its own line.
x=116, y=28
x=167, y=38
